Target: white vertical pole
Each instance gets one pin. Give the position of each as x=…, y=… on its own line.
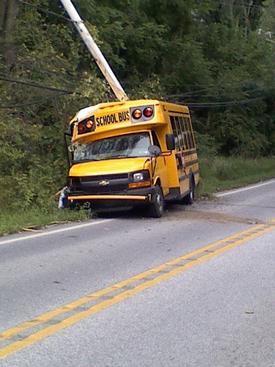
x=95, y=51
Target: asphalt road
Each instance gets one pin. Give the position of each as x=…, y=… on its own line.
x=69, y=295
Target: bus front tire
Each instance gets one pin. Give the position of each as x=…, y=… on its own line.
x=156, y=207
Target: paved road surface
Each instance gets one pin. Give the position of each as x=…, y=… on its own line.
x=69, y=295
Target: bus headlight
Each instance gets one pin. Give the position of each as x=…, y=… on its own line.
x=140, y=179
x=139, y=176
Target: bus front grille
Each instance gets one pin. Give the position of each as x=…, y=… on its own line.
x=103, y=184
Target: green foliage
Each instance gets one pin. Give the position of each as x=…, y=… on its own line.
x=189, y=51
x=207, y=146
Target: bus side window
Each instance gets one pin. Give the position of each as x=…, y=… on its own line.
x=174, y=128
x=185, y=127
x=178, y=123
x=182, y=139
x=191, y=137
x=188, y=136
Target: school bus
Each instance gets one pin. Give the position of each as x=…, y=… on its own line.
x=132, y=153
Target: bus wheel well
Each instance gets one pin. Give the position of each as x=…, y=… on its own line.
x=156, y=207
x=192, y=178
x=157, y=182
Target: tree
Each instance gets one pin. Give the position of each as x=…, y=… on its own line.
x=8, y=13
x=188, y=51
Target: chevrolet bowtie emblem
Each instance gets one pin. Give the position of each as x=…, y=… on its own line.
x=104, y=183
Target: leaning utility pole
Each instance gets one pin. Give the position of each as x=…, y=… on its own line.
x=95, y=51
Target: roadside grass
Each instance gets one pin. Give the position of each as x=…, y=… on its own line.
x=33, y=219
x=222, y=173
x=217, y=173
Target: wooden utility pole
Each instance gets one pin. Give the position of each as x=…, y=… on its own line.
x=94, y=50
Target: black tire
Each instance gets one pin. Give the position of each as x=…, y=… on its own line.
x=190, y=197
x=156, y=207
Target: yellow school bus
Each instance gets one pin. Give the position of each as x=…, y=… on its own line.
x=132, y=153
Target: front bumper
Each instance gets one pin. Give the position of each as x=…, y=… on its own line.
x=129, y=198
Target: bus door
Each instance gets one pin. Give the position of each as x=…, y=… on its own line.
x=178, y=131
x=161, y=166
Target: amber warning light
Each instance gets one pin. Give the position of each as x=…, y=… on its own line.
x=137, y=114
x=86, y=126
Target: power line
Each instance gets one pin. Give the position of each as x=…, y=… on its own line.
x=60, y=74
x=37, y=102
x=244, y=4
x=46, y=11
x=241, y=85
x=222, y=104
x=35, y=85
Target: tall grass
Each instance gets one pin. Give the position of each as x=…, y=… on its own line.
x=217, y=173
x=220, y=173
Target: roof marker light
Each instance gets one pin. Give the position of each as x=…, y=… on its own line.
x=136, y=114
x=89, y=124
x=148, y=112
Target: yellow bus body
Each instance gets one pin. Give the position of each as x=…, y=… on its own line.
x=175, y=172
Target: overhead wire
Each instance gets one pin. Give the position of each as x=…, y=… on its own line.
x=61, y=75
x=35, y=85
x=40, y=101
x=253, y=5
x=198, y=92
x=57, y=92
x=192, y=93
x=202, y=105
x=46, y=11
x=67, y=92
x=40, y=8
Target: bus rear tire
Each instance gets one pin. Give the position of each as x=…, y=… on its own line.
x=190, y=197
x=156, y=207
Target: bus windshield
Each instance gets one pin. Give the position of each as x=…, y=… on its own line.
x=122, y=146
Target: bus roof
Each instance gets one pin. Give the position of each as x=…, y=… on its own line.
x=88, y=111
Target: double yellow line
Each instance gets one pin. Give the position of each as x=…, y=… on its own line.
x=44, y=325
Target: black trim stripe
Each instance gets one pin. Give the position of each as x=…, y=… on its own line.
x=186, y=177
x=188, y=164
x=183, y=178
x=180, y=113
x=190, y=152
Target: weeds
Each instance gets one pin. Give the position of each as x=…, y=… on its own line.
x=217, y=173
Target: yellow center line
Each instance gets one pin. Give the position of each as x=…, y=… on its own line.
x=87, y=298
x=160, y=273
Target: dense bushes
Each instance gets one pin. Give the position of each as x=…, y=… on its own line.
x=202, y=53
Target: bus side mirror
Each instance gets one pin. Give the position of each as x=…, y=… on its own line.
x=71, y=129
x=154, y=150
x=170, y=141
x=68, y=147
